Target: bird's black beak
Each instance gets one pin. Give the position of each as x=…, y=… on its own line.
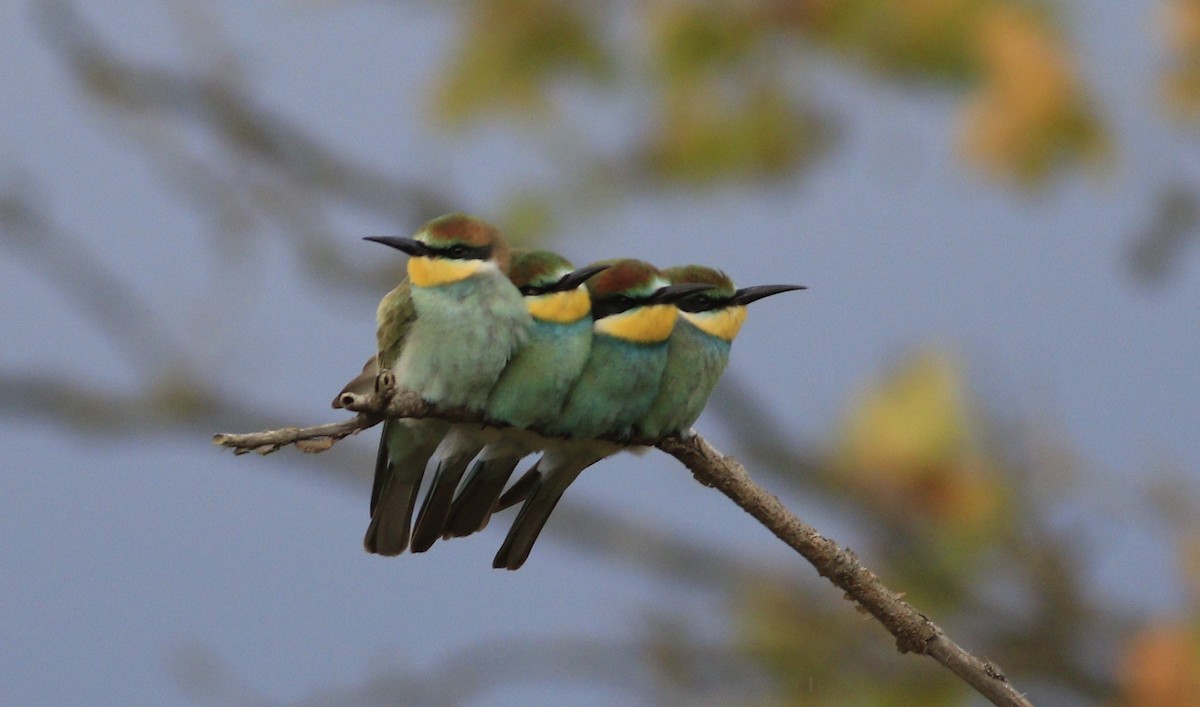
x=574, y=279
x=746, y=295
x=673, y=293
x=411, y=246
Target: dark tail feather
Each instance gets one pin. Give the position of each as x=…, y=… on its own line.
x=525, y=530
x=541, y=490
x=387, y=534
x=472, y=508
x=382, y=469
x=431, y=519
x=399, y=469
x=521, y=489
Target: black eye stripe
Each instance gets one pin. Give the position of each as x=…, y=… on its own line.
x=461, y=252
x=702, y=303
x=614, y=304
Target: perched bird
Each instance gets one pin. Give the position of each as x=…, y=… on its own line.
x=699, y=347
x=534, y=387
x=529, y=393
x=634, y=313
x=697, y=353
x=410, y=443
x=446, y=332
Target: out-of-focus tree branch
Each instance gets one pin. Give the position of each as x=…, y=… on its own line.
x=1157, y=247
x=233, y=119
x=265, y=166
x=132, y=326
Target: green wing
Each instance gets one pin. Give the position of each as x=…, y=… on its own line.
x=395, y=316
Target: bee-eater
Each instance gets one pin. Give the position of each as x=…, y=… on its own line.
x=634, y=313
x=699, y=347
x=530, y=392
x=533, y=388
x=446, y=332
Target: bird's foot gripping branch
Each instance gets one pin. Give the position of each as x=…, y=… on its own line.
x=913, y=631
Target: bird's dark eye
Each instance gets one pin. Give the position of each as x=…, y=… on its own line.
x=699, y=302
x=457, y=251
x=531, y=290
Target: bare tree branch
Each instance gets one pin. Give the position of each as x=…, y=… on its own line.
x=309, y=439
x=914, y=632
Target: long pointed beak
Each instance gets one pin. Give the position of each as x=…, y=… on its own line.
x=574, y=279
x=673, y=293
x=746, y=295
x=409, y=245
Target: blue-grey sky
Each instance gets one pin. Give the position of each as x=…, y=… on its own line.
x=118, y=555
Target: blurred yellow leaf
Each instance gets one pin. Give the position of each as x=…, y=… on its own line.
x=911, y=442
x=529, y=217
x=1179, y=24
x=511, y=49
x=708, y=131
x=1029, y=113
x=926, y=38
x=726, y=107
x=913, y=420
x=1161, y=667
x=691, y=39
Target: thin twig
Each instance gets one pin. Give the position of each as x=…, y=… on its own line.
x=914, y=632
x=313, y=439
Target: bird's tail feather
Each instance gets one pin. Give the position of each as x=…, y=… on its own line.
x=527, y=527
x=431, y=519
x=547, y=487
x=475, y=503
x=520, y=490
x=405, y=449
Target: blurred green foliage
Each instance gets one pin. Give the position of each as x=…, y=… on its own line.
x=510, y=50
x=722, y=76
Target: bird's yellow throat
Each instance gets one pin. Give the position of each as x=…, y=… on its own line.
x=560, y=307
x=722, y=323
x=434, y=272
x=644, y=325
